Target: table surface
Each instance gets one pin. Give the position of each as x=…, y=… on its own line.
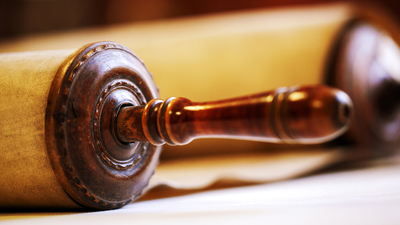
x=363, y=195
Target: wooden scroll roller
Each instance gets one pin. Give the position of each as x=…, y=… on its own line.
x=104, y=124
x=305, y=115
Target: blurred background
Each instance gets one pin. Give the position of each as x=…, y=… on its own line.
x=24, y=17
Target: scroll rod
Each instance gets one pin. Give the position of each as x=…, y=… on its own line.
x=303, y=115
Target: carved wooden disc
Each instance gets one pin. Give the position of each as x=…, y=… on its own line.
x=93, y=166
x=367, y=68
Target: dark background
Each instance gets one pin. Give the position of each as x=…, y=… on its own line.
x=22, y=17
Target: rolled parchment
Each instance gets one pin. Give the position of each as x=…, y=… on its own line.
x=27, y=177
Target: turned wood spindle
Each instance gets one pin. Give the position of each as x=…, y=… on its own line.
x=309, y=114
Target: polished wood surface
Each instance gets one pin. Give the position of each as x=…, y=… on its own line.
x=309, y=114
x=93, y=167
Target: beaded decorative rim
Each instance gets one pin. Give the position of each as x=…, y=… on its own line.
x=138, y=148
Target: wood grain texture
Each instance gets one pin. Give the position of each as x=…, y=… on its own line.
x=302, y=115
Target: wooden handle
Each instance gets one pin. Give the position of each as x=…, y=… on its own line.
x=310, y=114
